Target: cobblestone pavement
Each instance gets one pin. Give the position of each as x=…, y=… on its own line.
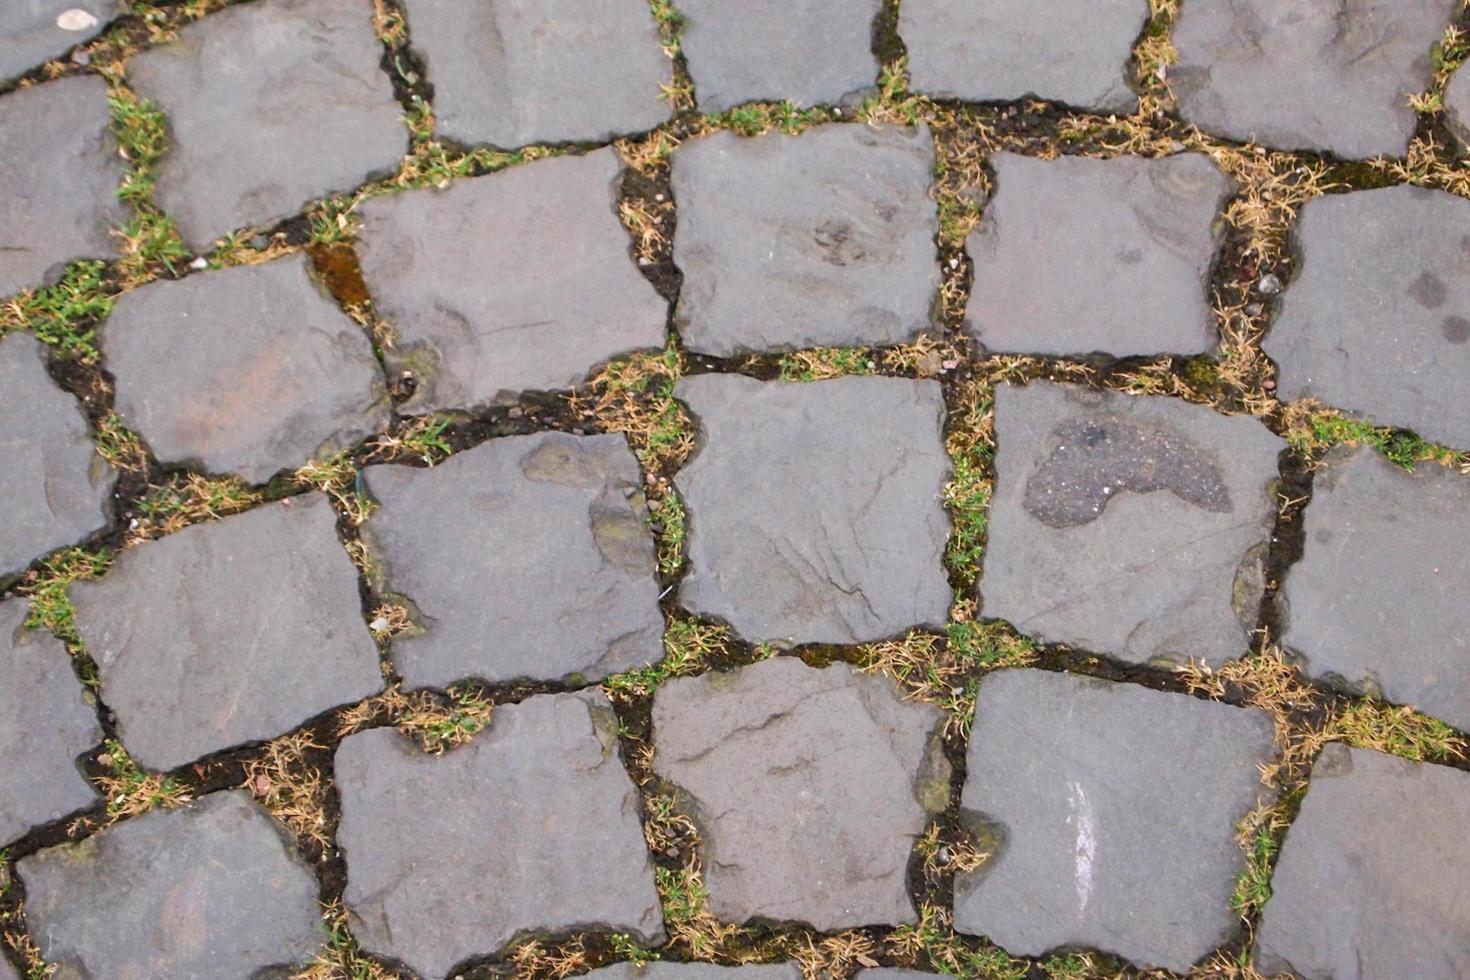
x=711, y=490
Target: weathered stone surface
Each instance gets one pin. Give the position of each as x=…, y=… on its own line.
x=212, y=892
x=1072, y=51
x=1312, y=75
x=33, y=32
x=1127, y=526
x=45, y=724
x=814, y=509
x=249, y=370
x=513, y=282
x=657, y=970
x=894, y=973
x=1116, y=809
x=824, y=239
x=513, y=72
x=7, y=972
x=54, y=484
x=59, y=173
x=770, y=50
x=270, y=105
x=1371, y=880
x=1457, y=104
x=809, y=786
x=534, y=828
x=1076, y=255
x=528, y=557
x=229, y=632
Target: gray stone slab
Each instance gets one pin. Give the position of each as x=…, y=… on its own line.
x=1075, y=51
x=1457, y=104
x=769, y=50
x=1128, y=526
x=1116, y=808
x=825, y=239
x=33, y=32
x=814, y=509
x=1377, y=321
x=7, y=972
x=534, y=828
x=1077, y=255
x=656, y=970
x=230, y=632
x=1350, y=69
x=513, y=282
x=809, y=787
x=527, y=557
x=894, y=973
x=270, y=105
x=59, y=174
x=1371, y=879
x=514, y=72
x=45, y=724
x=54, y=483
x=211, y=892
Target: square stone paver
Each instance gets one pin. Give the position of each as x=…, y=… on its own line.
x=533, y=828
x=1128, y=526
x=528, y=557
x=1076, y=255
x=819, y=240
x=1116, y=808
x=270, y=105
x=33, y=32
x=1372, y=878
x=230, y=632
x=809, y=787
x=814, y=509
x=518, y=281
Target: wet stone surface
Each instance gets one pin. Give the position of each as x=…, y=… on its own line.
x=534, y=827
x=1115, y=808
x=1076, y=255
x=33, y=32
x=809, y=785
x=819, y=240
x=1371, y=879
x=697, y=971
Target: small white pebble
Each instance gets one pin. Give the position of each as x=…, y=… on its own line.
x=199, y=264
x=379, y=624
x=659, y=196
x=75, y=19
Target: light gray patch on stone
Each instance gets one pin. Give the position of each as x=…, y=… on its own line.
x=1076, y=255
x=528, y=557
x=54, y=485
x=249, y=370
x=894, y=973
x=270, y=105
x=656, y=970
x=533, y=828
x=513, y=282
x=1117, y=809
x=807, y=787
x=211, y=891
x=814, y=509
x=1157, y=567
x=59, y=174
x=33, y=32
x=1371, y=879
x=824, y=239
x=230, y=632
x=1377, y=319
x=1309, y=75
x=1457, y=104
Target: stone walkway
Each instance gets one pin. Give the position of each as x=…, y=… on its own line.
x=699, y=490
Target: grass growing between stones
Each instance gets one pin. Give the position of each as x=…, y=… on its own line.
x=51, y=608
x=1313, y=429
x=130, y=790
x=151, y=243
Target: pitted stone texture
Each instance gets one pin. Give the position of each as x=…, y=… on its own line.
x=769, y=50
x=270, y=105
x=53, y=482
x=809, y=787
x=527, y=557
x=513, y=72
x=1457, y=104
x=656, y=970
x=59, y=174
x=824, y=239
x=230, y=632
x=33, y=32
x=1072, y=51
x=1371, y=880
x=513, y=282
x=211, y=891
x=1320, y=75
x=45, y=724
x=815, y=509
x=534, y=827
x=249, y=370
x=1116, y=809
x=1127, y=526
